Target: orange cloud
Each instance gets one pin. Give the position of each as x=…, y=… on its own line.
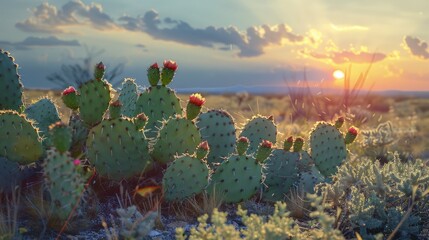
x=345, y=56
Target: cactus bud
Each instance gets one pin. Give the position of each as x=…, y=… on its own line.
x=100, y=68
x=61, y=136
x=168, y=72
x=153, y=74
x=195, y=103
x=202, y=150
x=271, y=118
x=115, y=109
x=140, y=120
x=264, y=150
x=288, y=143
x=339, y=122
x=351, y=135
x=297, y=145
x=70, y=98
x=76, y=162
x=242, y=145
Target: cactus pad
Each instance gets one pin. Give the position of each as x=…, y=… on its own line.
x=95, y=96
x=158, y=103
x=185, y=177
x=9, y=174
x=257, y=129
x=236, y=179
x=128, y=97
x=328, y=148
x=218, y=128
x=118, y=149
x=10, y=83
x=176, y=137
x=19, y=139
x=44, y=113
x=63, y=181
x=281, y=171
x=309, y=179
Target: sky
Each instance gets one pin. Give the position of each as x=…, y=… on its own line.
x=225, y=42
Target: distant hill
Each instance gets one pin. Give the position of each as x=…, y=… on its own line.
x=282, y=90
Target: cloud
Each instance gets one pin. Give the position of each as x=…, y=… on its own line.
x=346, y=56
x=344, y=28
x=47, y=18
x=417, y=47
x=251, y=43
x=39, y=42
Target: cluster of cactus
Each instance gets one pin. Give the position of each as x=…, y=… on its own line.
x=125, y=137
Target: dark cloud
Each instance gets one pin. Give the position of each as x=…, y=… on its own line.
x=47, y=18
x=250, y=44
x=39, y=42
x=340, y=57
x=417, y=47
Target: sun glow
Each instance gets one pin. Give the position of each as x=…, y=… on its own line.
x=339, y=77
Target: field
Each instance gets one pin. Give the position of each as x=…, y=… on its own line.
x=386, y=125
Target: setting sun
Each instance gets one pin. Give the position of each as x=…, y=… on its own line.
x=338, y=74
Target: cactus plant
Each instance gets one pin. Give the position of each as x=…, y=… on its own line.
x=158, y=102
x=118, y=148
x=177, y=136
x=257, y=129
x=239, y=177
x=44, y=113
x=63, y=181
x=61, y=136
x=168, y=72
x=218, y=128
x=19, y=138
x=328, y=148
x=79, y=135
x=70, y=98
x=128, y=97
x=281, y=171
x=94, y=99
x=184, y=170
x=10, y=83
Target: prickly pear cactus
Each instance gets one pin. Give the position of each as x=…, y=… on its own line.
x=79, y=135
x=257, y=129
x=158, y=103
x=44, y=113
x=328, y=148
x=118, y=148
x=9, y=174
x=218, y=128
x=176, y=137
x=178, y=176
x=63, y=181
x=239, y=177
x=281, y=171
x=309, y=179
x=10, y=83
x=128, y=97
x=94, y=99
x=19, y=138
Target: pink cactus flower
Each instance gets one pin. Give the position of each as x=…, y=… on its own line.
x=155, y=65
x=353, y=131
x=76, y=162
x=101, y=66
x=243, y=139
x=204, y=145
x=266, y=144
x=68, y=91
x=197, y=99
x=172, y=65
